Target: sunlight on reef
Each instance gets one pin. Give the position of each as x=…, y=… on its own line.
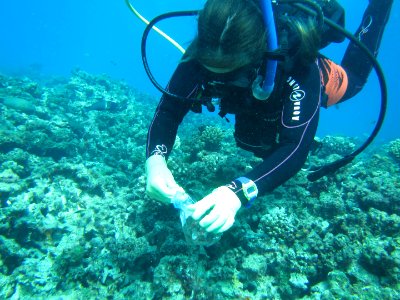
x=75, y=222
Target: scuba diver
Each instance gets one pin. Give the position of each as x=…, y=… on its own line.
x=225, y=61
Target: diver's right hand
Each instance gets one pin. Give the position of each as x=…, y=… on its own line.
x=160, y=184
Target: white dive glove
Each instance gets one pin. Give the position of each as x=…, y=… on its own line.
x=160, y=184
x=223, y=203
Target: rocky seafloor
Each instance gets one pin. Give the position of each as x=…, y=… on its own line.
x=75, y=222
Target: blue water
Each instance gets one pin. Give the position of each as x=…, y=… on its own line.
x=50, y=37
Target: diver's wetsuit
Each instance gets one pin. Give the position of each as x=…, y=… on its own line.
x=280, y=130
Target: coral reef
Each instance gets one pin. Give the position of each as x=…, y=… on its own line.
x=394, y=149
x=75, y=221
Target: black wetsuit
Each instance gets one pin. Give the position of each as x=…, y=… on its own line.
x=279, y=130
x=282, y=129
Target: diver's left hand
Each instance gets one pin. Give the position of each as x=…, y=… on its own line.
x=224, y=205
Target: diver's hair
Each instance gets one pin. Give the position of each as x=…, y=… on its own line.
x=231, y=34
x=307, y=39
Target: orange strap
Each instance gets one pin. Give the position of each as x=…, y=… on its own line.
x=334, y=79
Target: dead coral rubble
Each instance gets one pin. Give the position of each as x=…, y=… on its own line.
x=75, y=221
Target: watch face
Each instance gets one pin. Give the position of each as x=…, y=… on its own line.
x=251, y=189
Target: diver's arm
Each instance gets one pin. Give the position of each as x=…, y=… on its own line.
x=164, y=126
x=160, y=182
x=299, y=122
x=171, y=111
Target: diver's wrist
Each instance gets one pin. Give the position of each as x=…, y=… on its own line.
x=245, y=189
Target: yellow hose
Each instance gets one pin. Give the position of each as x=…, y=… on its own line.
x=159, y=31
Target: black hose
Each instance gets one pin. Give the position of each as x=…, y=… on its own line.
x=316, y=11
x=144, y=54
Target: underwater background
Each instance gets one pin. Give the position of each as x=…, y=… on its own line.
x=75, y=105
